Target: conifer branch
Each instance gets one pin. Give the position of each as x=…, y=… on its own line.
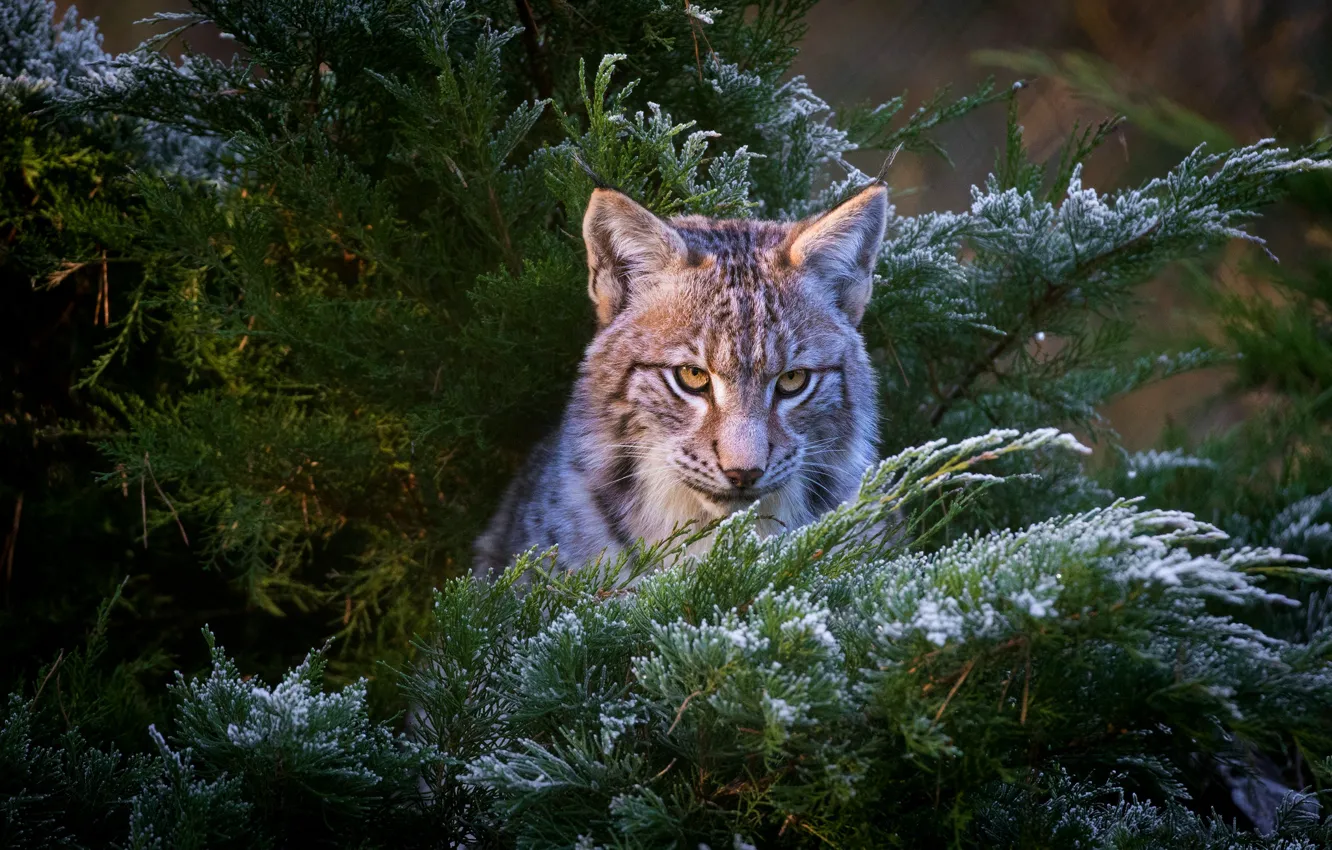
x=1051, y=298
x=398, y=289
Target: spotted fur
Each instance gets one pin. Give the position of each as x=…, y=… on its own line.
x=637, y=455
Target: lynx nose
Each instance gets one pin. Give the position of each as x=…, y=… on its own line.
x=743, y=477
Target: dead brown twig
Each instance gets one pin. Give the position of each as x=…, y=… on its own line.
x=1026, y=688
x=695, y=30
x=104, y=296
x=148, y=466
x=58, y=276
x=966, y=671
x=60, y=657
x=681, y=710
x=11, y=540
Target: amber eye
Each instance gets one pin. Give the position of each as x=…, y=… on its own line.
x=792, y=382
x=692, y=378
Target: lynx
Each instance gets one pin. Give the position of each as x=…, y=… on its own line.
x=727, y=369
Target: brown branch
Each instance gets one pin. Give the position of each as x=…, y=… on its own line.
x=104, y=295
x=60, y=701
x=536, y=56
x=143, y=506
x=11, y=541
x=898, y=361
x=662, y=772
x=680, y=711
x=58, y=276
x=693, y=31
x=60, y=656
x=1026, y=689
x=696, y=30
x=1054, y=293
x=1004, y=692
x=148, y=466
x=966, y=671
x=510, y=256
x=97, y=308
x=993, y=353
x=316, y=83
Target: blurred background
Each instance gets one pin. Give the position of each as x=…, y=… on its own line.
x=1226, y=71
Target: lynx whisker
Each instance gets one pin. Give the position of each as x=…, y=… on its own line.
x=675, y=418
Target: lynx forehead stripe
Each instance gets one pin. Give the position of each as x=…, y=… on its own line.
x=727, y=369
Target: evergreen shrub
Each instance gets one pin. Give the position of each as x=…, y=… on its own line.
x=352, y=294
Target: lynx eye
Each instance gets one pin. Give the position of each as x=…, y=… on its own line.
x=692, y=378
x=792, y=382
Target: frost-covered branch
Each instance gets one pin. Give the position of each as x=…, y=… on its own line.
x=722, y=694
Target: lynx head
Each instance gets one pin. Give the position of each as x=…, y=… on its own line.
x=728, y=367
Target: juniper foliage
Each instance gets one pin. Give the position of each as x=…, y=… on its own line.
x=1274, y=465
x=411, y=189
x=247, y=766
x=374, y=450
x=1263, y=479
x=358, y=272
x=68, y=540
x=825, y=687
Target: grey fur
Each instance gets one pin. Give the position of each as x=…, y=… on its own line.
x=637, y=454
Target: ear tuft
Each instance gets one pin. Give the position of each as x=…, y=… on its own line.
x=626, y=245
x=841, y=247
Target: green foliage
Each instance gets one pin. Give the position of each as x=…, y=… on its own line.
x=1100, y=82
x=272, y=765
x=383, y=309
x=67, y=794
x=1011, y=689
x=824, y=686
x=247, y=766
x=1072, y=814
x=57, y=789
x=1035, y=326
x=68, y=541
x=1265, y=478
x=349, y=294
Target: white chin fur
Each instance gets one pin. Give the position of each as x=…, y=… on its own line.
x=665, y=503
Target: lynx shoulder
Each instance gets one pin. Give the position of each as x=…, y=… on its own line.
x=727, y=368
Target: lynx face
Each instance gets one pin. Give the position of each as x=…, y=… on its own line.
x=728, y=368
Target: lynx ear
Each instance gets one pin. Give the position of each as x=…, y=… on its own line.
x=625, y=243
x=841, y=246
